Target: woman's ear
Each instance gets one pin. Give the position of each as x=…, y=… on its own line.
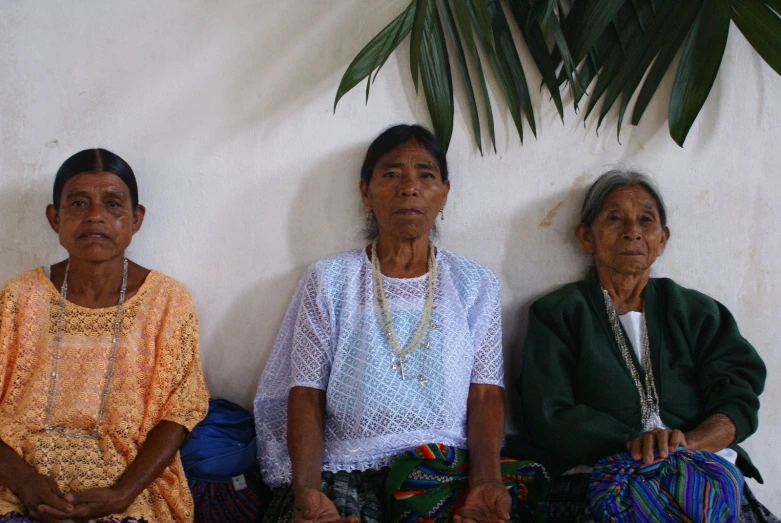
x=364, y=188
x=53, y=217
x=138, y=217
x=585, y=238
x=665, y=239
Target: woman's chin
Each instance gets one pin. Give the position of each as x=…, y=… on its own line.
x=627, y=268
x=93, y=255
x=409, y=233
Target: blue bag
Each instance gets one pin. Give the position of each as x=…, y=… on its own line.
x=221, y=446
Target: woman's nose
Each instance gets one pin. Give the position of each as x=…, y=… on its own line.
x=95, y=213
x=409, y=187
x=631, y=231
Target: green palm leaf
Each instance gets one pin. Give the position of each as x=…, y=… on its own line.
x=700, y=61
x=419, y=24
x=538, y=47
x=762, y=28
x=464, y=18
x=508, y=70
x=436, y=78
x=587, y=21
x=376, y=52
x=619, y=46
x=680, y=23
x=450, y=23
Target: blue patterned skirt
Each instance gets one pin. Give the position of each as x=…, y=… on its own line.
x=567, y=502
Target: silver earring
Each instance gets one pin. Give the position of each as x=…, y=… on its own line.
x=442, y=214
x=368, y=215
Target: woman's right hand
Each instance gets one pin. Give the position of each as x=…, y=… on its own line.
x=34, y=490
x=666, y=441
x=311, y=505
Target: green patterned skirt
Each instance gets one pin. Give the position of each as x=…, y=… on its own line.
x=427, y=484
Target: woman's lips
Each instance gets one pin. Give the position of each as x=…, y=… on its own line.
x=408, y=211
x=94, y=236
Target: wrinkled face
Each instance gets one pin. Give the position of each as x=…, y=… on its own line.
x=96, y=219
x=627, y=235
x=405, y=191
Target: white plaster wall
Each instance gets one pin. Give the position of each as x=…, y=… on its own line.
x=224, y=110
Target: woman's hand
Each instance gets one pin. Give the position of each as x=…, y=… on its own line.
x=31, y=487
x=90, y=504
x=311, y=505
x=38, y=492
x=665, y=440
x=486, y=502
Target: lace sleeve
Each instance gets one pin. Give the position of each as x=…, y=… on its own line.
x=485, y=323
x=312, y=345
x=187, y=399
x=7, y=328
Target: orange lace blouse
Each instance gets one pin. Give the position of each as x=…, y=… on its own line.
x=157, y=376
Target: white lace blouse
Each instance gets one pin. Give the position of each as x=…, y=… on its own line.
x=331, y=340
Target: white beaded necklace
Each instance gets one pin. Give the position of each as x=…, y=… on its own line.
x=111, y=358
x=421, y=336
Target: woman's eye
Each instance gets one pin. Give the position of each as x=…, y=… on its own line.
x=78, y=203
x=113, y=204
x=427, y=175
x=391, y=174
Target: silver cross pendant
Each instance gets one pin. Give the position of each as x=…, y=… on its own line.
x=398, y=364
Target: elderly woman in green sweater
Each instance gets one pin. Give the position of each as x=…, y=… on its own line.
x=624, y=362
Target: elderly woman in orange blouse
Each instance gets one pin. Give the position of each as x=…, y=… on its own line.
x=100, y=378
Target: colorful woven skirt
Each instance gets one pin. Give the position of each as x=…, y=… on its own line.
x=430, y=483
x=687, y=487
x=567, y=502
x=16, y=517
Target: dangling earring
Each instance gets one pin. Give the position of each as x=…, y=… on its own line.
x=442, y=214
x=368, y=215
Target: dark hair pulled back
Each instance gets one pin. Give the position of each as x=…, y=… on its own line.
x=397, y=135
x=94, y=161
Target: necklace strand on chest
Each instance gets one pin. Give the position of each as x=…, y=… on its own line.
x=57, y=349
x=649, y=399
x=421, y=336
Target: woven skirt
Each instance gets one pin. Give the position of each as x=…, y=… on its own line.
x=426, y=484
x=358, y=493
x=15, y=517
x=430, y=484
x=567, y=502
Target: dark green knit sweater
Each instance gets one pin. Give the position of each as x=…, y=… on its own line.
x=580, y=403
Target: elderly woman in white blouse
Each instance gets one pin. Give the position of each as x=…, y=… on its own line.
x=384, y=349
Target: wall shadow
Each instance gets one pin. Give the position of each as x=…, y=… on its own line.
x=546, y=226
x=325, y=219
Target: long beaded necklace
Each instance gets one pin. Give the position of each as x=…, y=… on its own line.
x=649, y=399
x=421, y=337
x=112, y=357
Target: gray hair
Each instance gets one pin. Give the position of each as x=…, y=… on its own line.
x=611, y=180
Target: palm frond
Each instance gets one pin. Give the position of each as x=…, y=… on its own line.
x=602, y=50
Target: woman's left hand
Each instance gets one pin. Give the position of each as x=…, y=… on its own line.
x=486, y=502
x=90, y=504
x=665, y=440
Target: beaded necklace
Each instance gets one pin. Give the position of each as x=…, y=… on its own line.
x=421, y=336
x=649, y=399
x=112, y=357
